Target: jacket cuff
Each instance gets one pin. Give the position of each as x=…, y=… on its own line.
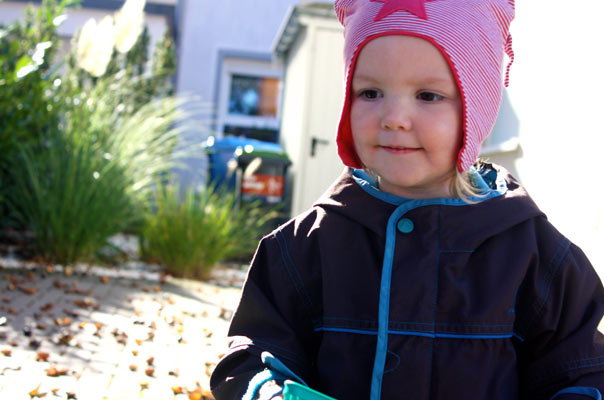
x=275, y=371
x=578, y=392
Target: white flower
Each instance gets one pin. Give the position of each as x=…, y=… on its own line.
x=129, y=24
x=95, y=46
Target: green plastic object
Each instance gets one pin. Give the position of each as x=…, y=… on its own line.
x=295, y=391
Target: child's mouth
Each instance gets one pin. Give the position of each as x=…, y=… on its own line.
x=400, y=150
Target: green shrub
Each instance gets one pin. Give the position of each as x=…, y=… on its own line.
x=29, y=111
x=190, y=235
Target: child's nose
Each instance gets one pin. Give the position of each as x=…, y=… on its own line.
x=396, y=116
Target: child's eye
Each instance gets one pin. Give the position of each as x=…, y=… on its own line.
x=369, y=94
x=429, y=96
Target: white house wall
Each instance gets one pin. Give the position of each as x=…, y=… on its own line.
x=324, y=108
x=556, y=89
x=208, y=26
x=294, y=103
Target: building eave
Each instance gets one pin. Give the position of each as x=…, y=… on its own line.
x=292, y=23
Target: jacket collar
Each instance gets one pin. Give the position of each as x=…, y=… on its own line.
x=354, y=196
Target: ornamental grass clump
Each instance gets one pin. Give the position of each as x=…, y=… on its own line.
x=72, y=196
x=191, y=232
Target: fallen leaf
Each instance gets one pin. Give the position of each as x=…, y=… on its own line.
x=71, y=395
x=144, y=385
x=177, y=390
x=47, y=307
x=27, y=290
x=3, y=336
x=42, y=356
x=55, y=391
x=41, y=326
x=13, y=311
x=133, y=367
x=12, y=287
x=170, y=300
x=150, y=371
x=6, y=300
x=150, y=360
x=135, y=352
x=58, y=284
x=50, y=269
x=196, y=394
x=63, y=321
x=54, y=371
x=68, y=271
x=104, y=279
x=65, y=338
x=157, y=288
x=36, y=392
x=34, y=344
x=174, y=372
x=138, y=341
x=7, y=352
x=85, y=303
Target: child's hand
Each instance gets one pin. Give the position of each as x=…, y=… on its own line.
x=267, y=389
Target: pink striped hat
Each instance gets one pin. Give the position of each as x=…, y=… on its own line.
x=472, y=35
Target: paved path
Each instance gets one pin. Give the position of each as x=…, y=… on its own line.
x=110, y=334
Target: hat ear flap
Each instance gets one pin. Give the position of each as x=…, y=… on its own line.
x=344, y=8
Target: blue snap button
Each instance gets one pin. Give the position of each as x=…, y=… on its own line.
x=405, y=225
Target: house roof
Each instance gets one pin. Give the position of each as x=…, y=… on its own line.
x=291, y=24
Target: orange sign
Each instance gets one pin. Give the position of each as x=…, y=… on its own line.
x=262, y=185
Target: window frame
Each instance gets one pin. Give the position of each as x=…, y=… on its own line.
x=249, y=66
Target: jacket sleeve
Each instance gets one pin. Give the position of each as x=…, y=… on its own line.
x=562, y=353
x=274, y=318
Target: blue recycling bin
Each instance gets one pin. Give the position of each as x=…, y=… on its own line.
x=254, y=169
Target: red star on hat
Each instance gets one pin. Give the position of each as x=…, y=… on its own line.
x=413, y=6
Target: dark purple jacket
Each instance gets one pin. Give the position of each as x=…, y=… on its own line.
x=368, y=295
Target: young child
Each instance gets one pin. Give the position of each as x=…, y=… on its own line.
x=421, y=273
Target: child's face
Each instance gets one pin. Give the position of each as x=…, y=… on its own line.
x=406, y=116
